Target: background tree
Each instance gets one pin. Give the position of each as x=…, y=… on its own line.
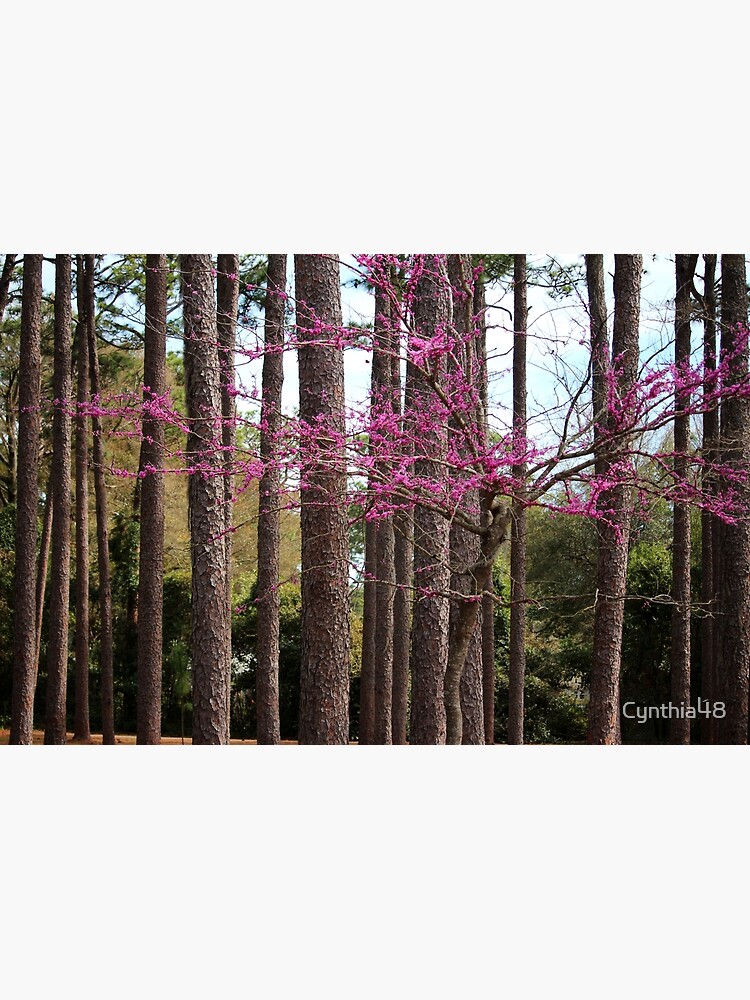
x=269, y=503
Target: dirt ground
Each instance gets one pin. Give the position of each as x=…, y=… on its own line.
x=126, y=740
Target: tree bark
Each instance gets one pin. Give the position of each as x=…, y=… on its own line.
x=430, y=618
x=152, y=517
x=269, y=500
x=733, y=660
x=210, y=622
x=41, y=570
x=6, y=277
x=81, y=721
x=324, y=689
x=403, y=558
x=227, y=301
x=708, y=520
x=517, y=647
x=369, y=611
x=615, y=508
x=59, y=584
x=24, y=595
x=681, y=593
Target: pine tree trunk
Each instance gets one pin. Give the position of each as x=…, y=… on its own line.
x=681, y=593
x=324, y=688
x=733, y=660
x=152, y=517
x=430, y=618
x=385, y=554
x=210, y=621
x=227, y=301
x=41, y=570
x=369, y=611
x=24, y=595
x=6, y=277
x=614, y=528
x=403, y=561
x=269, y=500
x=517, y=647
x=62, y=423
x=81, y=721
x=708, y=520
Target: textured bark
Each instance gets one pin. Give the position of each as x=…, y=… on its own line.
x=59, y=584
x=383, y=398
x=151, y=553
x=488, y=604
x=403, y=567
x=210, y=621
x=517, y=646
x=733, y=661
x=679, y=730
x=599, y=351
x=369, y=611
x=614, y=528
x=708, y=520
x=269, y=523
x=463, y=678
x=324, y=688
x=41, y=570
x=81, y=719
x=227, y=300
x=24, y=595
x=430, y=618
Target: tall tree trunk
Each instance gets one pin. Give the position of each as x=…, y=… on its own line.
x=517, y=648
x=59, y=584
x=681, y=594
x=81, y=722
x=463, y=680
x=403, y=560
x=708, y=520
x=106, y=652
x=488, y=603
x=616, y=502
x=41, y=570
x=324, y=687
x=385, y=554
x=269, y=502
x=24, y=596
x=369, y=604
x=430, y=618
x=151, y=558
x=210, y=621
x=733, y=660
x=227, y=300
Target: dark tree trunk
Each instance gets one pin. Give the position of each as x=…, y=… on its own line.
x=227, y=301
x=599, y=352
x=430, y=618
x=463, y=679
x=324, y=688
x=681, y=595
x=733, y=660
x=269, y=501
x=106, y=652
x=151, y=557
x=81, y=721
x=488, y=604
x=210, y=621
x=708, y=520
x=369, y=605
x=24, y=596
x=41, y=569
x=403, y=560
x=59, y=584
x=614, y=528
x=385, y=555
x=517, y=647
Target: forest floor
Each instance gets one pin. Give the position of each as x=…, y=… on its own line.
x=96, y=738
